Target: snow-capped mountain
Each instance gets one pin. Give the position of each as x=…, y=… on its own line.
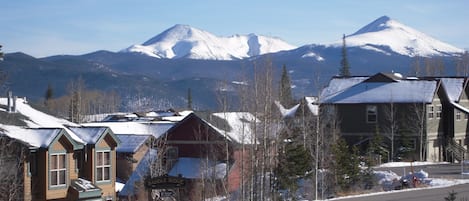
x=385, y=35
x=183, y=41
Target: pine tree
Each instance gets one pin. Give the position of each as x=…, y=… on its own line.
x=344, y=65
x=286, y=98
x=294, y=163
x=189, y=99
x=48, y=95
x=346, y=165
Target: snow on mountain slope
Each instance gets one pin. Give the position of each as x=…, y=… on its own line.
x=36, y=118
x=399, y=38
x=183, y=41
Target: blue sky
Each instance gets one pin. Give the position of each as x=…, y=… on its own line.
x=50, y=27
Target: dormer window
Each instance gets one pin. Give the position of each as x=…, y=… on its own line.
x=103, y=166
x=58, y=169
x=371, y=113
x=438, y=111
x=431, y=111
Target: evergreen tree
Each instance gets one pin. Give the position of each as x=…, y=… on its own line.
x=286, y=98
x=189, y=98
x=344, y=65
x=294, y=164
x=346, y=165
x=48, y=95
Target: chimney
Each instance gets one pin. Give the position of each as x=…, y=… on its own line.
x=14, y=104
x=9, y=101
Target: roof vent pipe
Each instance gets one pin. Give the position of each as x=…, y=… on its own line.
x=9, y=101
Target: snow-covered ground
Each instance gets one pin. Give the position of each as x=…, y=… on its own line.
x=388, y=179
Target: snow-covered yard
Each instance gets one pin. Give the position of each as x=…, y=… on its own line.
x=389, y=180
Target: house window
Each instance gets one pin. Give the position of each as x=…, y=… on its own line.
x=466, y=116
x=58, y=169
x=371, y=113
x=458, y=115
x=103, y=166
x=431, y=111
x=438, y=111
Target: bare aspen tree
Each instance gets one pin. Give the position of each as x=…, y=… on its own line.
x=418, y=117
x=258, y=100
x=12, y=157
x=224, y=104
x=462, y=64
x=391, y=124
x=434, y=66
x=416, y=66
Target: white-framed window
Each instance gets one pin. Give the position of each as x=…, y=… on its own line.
x=431, y=111
x=371, y=113
x=58, y=169
x=458, y=115
x=103, y=166
x=438, y=111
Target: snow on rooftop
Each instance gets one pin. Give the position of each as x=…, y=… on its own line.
x=337, y=85
x=83, y=185
x=290, y=112
x=197, y=168
x=453, y=87
x=240, y=123
x=137, y=128
x=403, y=91
x=312, y=103
x=89, y=135
x=35, y=137
x=37, y=119
x=131, y=143
x=139, y=173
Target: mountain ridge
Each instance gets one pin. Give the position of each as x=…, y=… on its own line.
x=184, y=41
x=400, y=38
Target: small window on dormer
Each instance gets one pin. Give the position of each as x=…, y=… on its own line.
x=58, y=169
x=458, y=115
x=431, y=112
x=371, y=113
x=103, y=166
x=438, y=111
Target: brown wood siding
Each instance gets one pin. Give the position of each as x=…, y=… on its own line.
x=195, y=134
x=39, y=182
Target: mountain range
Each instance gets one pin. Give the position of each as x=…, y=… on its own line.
x=183, y=57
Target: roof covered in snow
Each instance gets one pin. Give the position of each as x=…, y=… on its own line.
x=89, y=135
x=140, y=172
x=35, y=137
x=38, y=137
x=137, y=128
x=287, y=112
x=240, y=126
x=131, y=143
x=312, y=103
x=453, y=88
x=356, y=90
